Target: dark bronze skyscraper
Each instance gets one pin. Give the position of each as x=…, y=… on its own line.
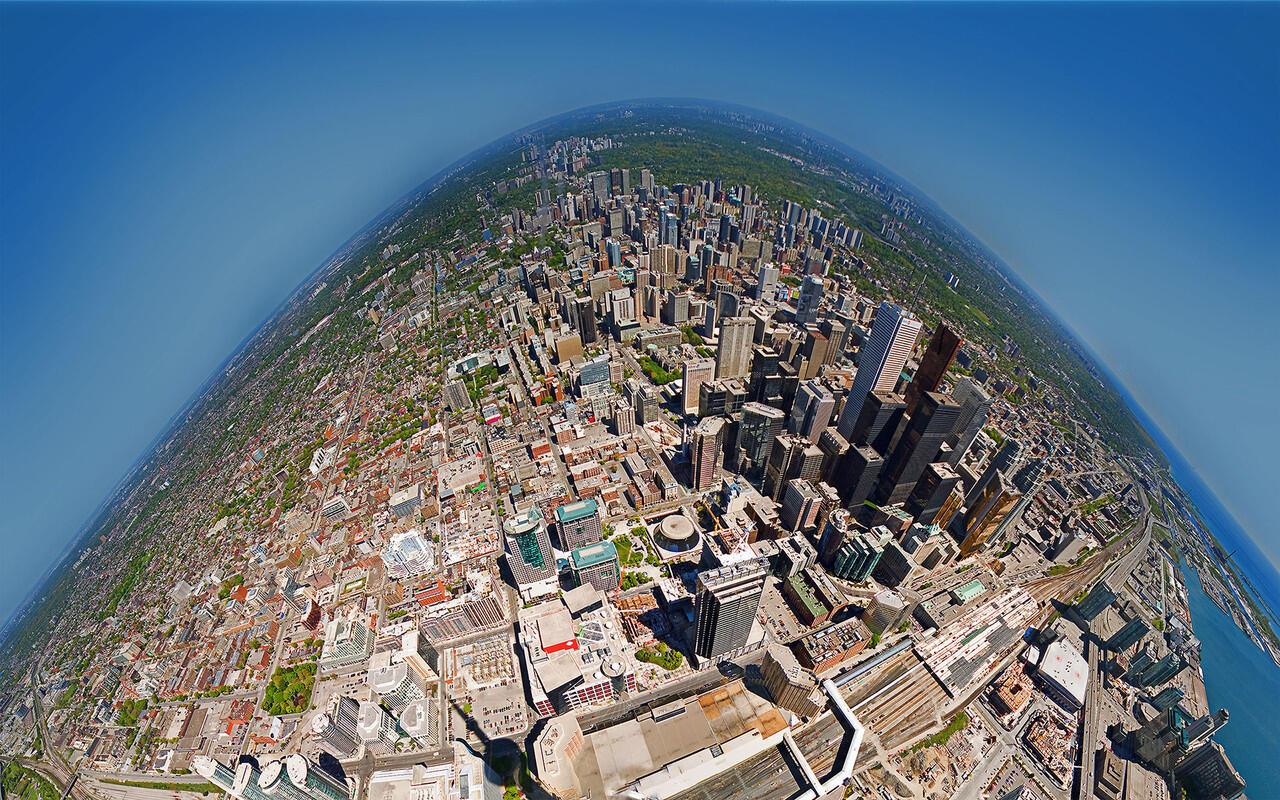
x=937, y=358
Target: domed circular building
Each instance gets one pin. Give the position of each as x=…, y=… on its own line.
x=677, y=536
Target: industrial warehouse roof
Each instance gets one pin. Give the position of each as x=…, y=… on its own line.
x=1063, y=666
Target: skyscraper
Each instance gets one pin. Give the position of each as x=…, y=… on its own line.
x=857, y=474
x=766, y=282
x=529, y=547
x=586, y=316
x=929, y=426
x=931, y=492
x=1028, y=481
x=274, y=781
x=811, y=410
x=876, y=423
x=810, y=298
x=1167, y=698
x=840, y=524
x=1094, y=603
x=733, y=357
x=708, y=438
x=697, y=371
x=759, y=427
x=624, y=417
x=800, y=505
x=859, y=554
x=596, y=564
x=943, y=346
x=407, y=554
x=975, y=406
x=880, y=362
x=833, y=447
x=1129, y=635
x=725, y=605
x=791, y=457
x=376, y=728
x=246, y=785
x=318, y=783
x=1208, y=774
x=214, y=772
x=579, y=524
x=985, y=514
x=397, y=685
x=1008, y=457
x=669, y=227
x=336, y=728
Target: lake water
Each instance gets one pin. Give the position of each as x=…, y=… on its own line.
x=1240, y=678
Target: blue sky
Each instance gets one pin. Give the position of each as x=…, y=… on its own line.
x=169, y=173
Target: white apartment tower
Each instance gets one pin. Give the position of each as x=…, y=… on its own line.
x=880, y=363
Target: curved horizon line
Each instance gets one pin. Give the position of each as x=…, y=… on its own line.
x=1142, y=417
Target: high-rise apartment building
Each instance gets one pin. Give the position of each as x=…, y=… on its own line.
x=245, y=786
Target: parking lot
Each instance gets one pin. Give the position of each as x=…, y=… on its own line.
x=500, y=712
x=776, y=614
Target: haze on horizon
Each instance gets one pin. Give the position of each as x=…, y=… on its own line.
x=158, y=206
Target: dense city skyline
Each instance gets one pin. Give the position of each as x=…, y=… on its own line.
x=842, y=415
x=185, y=187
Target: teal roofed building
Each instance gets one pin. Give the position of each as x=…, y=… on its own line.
x=579, y=524
x=597, y=565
